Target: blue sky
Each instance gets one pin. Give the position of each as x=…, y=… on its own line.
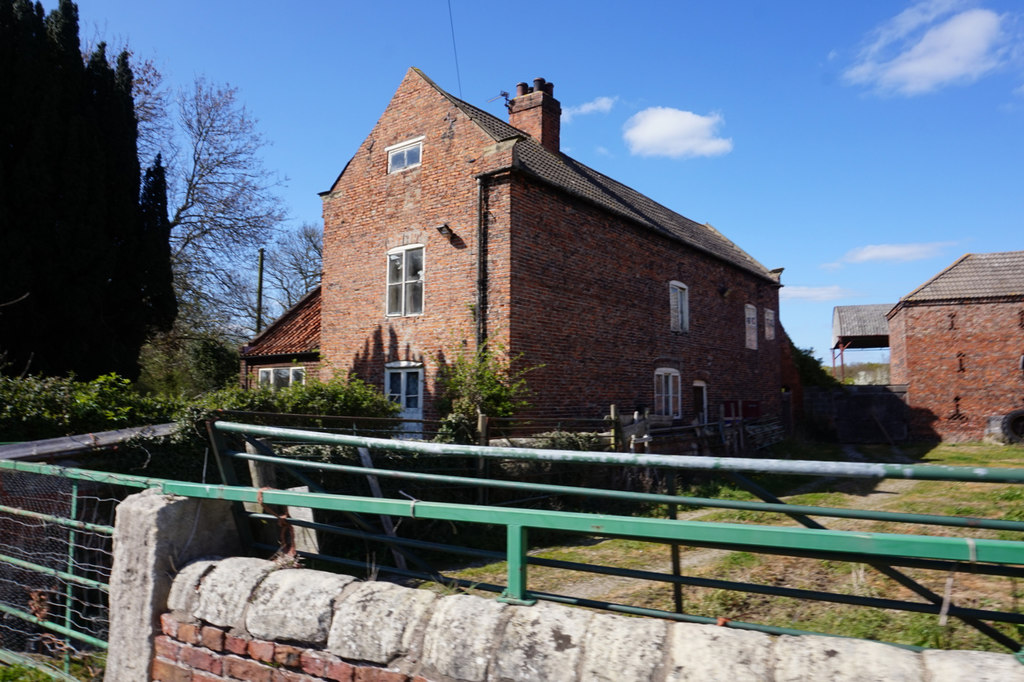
x=862, y=146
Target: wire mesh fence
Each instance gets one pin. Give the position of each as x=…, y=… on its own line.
x=55, y=560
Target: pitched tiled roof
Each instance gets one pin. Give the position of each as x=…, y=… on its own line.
x=296, y=331
x=861, y=326
x=975, y=275
x=575, y=178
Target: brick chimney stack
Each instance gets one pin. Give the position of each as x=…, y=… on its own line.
x=536, y=111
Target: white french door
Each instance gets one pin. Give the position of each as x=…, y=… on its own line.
x=404, y=385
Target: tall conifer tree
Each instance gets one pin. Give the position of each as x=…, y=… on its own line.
x=82, y=277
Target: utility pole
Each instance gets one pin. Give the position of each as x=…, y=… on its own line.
x=259, y=295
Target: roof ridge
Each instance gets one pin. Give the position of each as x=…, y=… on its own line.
x=575, y=177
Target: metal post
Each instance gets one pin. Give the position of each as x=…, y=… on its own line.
x=515, y=550
x=71, y=569
x=673, y=510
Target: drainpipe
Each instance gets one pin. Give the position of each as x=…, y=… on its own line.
x=481, y=265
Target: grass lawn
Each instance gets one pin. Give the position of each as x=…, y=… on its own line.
x=981, y=500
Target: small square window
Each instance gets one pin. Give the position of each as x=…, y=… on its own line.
x=405, y=155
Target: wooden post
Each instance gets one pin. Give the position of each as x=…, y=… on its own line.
x=389, y=526
x=616, y=428
x=483, y=438
x=264, y=475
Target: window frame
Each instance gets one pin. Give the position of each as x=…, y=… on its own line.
x=403, y=369
x=679, y=306
x=404, y=283
x=294, y=372
x=668, y=378
x=769, y=324
x=395, y=150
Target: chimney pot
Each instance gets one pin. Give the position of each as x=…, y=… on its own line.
x=536, y=112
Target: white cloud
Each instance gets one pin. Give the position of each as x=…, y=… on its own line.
x=894, y=253
x=600, y=105
x=663, y=131
x=819, y=294
x=930, y=45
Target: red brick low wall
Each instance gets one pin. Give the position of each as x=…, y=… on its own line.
x=188, y=652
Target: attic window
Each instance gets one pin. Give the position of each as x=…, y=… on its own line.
x=405, y=154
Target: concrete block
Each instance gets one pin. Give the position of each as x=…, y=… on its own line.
x=811, y=657
x=184, y=595
x=460, y=636
x=540, y=643
x=618, y=648
x=971, y=666
x=154, y=536
x=378, y=621
x=225, y=591
x=295, y=604
x=709, y=652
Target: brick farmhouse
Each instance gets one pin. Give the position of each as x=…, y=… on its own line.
x=450, y=228
x=957, y=342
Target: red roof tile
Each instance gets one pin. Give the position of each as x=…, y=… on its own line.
x=296, y=331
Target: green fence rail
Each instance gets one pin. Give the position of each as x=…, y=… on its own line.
x=881, y=550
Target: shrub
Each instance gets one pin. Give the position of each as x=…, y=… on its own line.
x=583, y=441
x=32, y=408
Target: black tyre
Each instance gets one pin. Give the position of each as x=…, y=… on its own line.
x=1013, y=426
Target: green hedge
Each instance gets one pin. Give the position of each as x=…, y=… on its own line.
x=33, y=408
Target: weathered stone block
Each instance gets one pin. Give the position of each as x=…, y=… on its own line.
x=295, y=604
x=378, y=621
x=225, y=590
x=460, y=636
x=542, y=642
x=619, y=648
x=971, y=666
x=798, y=659
x=707, y=652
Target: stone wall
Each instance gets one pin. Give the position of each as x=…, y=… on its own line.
x=250, y=619
x=860, y=414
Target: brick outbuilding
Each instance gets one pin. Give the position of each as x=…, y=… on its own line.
x=450, y=228
x=957, y=342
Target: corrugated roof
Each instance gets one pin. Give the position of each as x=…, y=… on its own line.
x=296, y=331
x=861, y=326
x=578, y=179
x=975, y=275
